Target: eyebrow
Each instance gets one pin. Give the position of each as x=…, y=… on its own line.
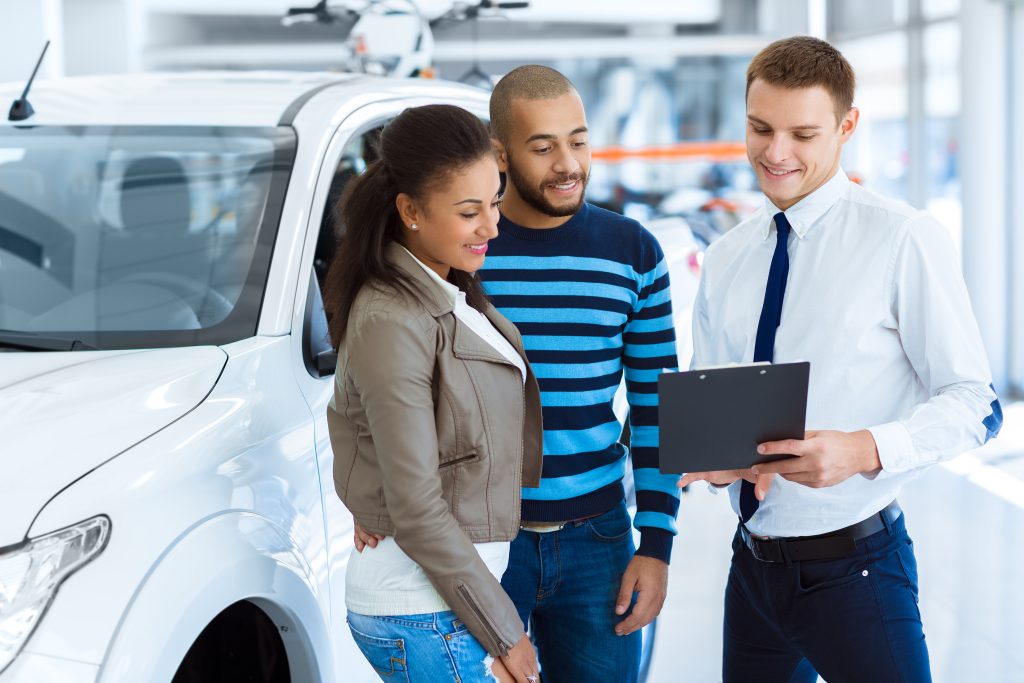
x=474, y=200
x=552, y=136
x=754, y=119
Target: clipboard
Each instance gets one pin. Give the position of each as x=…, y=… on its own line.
x=714, y=419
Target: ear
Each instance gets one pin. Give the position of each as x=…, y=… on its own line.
x=407, y=209
x=501, y=154
x=849, y=123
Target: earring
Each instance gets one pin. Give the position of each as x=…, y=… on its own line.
x=414, y=227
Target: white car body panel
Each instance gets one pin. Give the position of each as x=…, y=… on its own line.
x=32, y=667
x=257, y=98
x=64, y=414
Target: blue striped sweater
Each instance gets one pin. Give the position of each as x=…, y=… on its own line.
x=591, y=299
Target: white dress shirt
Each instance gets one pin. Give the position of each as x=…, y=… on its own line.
x=384, y=581
x=876, y=302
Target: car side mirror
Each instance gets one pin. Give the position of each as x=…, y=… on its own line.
x=326, y=362
x=319, y=356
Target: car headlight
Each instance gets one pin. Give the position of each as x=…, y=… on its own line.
x=31, y=574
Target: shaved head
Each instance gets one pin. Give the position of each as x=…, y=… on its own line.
x=529, y=82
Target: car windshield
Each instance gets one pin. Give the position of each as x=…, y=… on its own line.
x=138, y=237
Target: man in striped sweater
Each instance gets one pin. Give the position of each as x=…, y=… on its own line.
x=589, y=290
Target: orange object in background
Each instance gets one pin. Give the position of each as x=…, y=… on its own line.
x=711, y=151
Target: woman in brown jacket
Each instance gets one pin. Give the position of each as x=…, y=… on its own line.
x=435, y=421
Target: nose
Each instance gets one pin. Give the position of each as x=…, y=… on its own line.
x=565, y=162
x=489, y=225
x=778, y=150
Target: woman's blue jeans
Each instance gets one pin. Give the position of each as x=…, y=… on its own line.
x=421, y=648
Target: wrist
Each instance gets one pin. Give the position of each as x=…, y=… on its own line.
x=870, y=460
x=656, y=543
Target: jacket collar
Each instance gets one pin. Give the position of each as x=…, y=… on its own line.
x=438, y=301
x=429, y=293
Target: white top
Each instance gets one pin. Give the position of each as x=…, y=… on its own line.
x=876, y=302
x=384, y=581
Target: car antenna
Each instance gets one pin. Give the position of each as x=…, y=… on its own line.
x=21, y=109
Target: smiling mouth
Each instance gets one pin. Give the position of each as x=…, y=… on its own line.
x=568, y=186
x=778, y=173
x=477, y=248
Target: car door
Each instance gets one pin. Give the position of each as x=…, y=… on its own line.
x=351, y=149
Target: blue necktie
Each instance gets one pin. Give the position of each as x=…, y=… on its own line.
x=771, y=315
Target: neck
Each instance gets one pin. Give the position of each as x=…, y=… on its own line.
x=442, y=269
x=519, y=212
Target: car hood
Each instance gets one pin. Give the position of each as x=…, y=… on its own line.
x=65, y=414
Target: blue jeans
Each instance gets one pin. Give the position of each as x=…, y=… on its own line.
x=421, y=648
x=564, y=585
x=851, y=620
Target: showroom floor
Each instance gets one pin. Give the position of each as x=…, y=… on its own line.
x=967, y=521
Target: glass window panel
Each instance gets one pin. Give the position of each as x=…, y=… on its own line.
x=877, y=154
x=846, y=18
x=942, y=116
x=123, y=237
x=939, y=9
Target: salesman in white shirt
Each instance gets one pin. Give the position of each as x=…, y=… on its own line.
x=869, y=290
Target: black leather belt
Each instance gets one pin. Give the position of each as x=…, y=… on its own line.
x=830, y=546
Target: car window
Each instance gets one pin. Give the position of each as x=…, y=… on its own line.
x=360, y=152
x=357, y=155
x=128, y=237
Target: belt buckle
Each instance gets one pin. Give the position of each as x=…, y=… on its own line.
x=755, y=545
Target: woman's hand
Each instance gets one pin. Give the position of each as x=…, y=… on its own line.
x=521, y=662
x=361, y=539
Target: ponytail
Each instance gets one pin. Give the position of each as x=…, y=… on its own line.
x=367, y=211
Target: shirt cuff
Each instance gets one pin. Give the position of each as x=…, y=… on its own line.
x=896, y=449
x=656, y=543
x=716, y=489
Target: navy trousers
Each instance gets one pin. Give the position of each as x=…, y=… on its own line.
x=851, y=620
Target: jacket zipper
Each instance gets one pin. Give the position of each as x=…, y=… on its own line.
x=522, y=457
x=456, y=461
x=503, y=647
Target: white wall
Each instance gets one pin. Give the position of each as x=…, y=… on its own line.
x=98, y=38
x=24, y=29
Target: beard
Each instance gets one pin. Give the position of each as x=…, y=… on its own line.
x=534, y=196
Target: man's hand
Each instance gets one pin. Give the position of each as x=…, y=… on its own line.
x=648, y=577
x=361, y=539
x=724, y=477
x=824, y=458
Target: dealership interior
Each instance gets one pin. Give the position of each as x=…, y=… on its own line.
x=939, y=85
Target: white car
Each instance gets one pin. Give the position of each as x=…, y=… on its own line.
x=167, y=505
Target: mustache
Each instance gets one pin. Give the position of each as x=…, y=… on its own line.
x=561, y=180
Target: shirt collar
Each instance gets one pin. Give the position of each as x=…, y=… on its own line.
x=805, y=213
x=451, y=292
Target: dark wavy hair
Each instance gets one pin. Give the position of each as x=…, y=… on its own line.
x=420, y=151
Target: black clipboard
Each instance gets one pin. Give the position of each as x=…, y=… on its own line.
x=714, y=419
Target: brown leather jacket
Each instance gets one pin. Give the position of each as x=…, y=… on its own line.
x=433, y=434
